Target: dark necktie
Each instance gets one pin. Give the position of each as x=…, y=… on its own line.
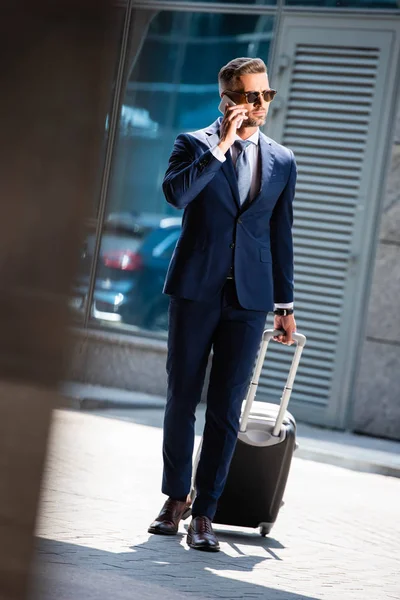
x=243, y=171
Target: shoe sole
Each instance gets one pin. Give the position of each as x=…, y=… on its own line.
x=201, y=547
x=156, y=531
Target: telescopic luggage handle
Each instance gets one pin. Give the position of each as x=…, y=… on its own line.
x=300, y=341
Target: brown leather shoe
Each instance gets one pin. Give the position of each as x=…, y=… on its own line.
x=201, y=535
x=172, y=512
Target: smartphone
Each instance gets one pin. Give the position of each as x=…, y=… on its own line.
x=226, y=101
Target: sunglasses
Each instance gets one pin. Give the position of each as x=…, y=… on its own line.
x=251, y=97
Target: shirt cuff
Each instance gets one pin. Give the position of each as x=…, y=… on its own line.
x=280, y=305
x=217, y=152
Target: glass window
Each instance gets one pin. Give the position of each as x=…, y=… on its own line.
x=382, y=4
x=171, y=87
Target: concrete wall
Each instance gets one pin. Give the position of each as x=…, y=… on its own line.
x=377, y=391
x=127, y=362
x=122, y=361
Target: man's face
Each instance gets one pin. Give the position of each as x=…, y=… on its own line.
x=257, y=112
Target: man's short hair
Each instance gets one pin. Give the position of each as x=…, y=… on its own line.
x=228, y=77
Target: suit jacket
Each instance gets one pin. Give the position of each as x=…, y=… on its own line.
x=218, y=232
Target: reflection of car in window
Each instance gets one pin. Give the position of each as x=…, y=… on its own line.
x=134, y=257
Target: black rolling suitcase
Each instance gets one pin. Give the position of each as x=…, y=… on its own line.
x=260, y=466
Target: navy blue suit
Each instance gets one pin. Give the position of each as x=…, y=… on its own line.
x=207, y=311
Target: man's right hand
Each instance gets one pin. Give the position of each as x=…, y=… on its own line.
x=229, y=125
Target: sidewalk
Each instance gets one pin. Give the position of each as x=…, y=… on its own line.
x=352, y=451
x=337, y=537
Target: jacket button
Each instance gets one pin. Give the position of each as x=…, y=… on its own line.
x=232, y=245
x=239, y=221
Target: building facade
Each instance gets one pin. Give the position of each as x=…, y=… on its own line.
x=335, y=65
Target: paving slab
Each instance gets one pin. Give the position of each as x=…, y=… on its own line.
x=337, y=537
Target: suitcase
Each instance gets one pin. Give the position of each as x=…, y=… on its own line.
x=261, y=462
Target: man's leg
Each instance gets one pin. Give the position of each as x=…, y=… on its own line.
x=191, y=329
x=236, y=343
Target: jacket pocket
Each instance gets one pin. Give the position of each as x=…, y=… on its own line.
x=265, y=255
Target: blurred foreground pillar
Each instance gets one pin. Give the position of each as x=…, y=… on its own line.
x=57, y=60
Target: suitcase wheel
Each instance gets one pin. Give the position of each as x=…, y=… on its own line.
x=265, y=528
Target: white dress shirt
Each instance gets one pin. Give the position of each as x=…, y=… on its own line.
x=253, y=157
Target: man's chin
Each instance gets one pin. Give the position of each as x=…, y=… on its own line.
x=255, y=121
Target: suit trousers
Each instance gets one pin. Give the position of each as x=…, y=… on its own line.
x=234, y=335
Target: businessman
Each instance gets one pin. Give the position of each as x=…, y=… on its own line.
x=232, y=264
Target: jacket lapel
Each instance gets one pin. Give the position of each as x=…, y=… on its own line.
x=230, y=173
x=267, y=161
x=227, y=167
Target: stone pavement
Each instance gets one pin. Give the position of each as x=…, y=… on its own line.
x=337, y=538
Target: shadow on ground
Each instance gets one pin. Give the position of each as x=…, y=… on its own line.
x=158, y=568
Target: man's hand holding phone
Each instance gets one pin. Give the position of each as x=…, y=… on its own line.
x=233, y=119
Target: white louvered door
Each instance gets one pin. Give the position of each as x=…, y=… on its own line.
x=335, y=91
